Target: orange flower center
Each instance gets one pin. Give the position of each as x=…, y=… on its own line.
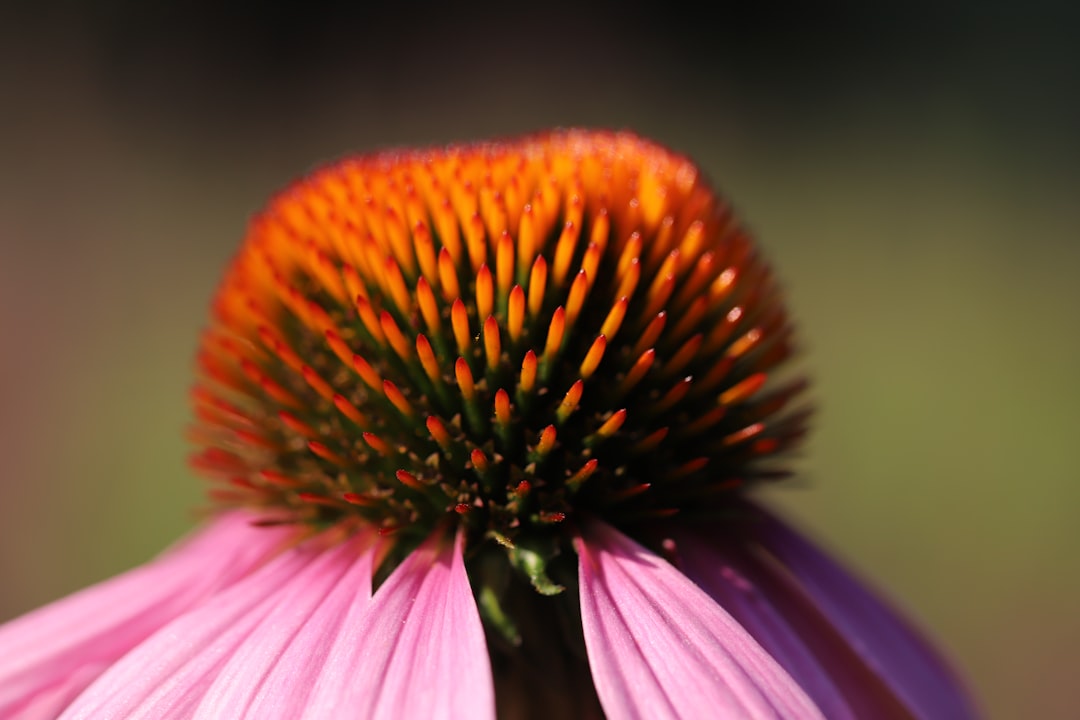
x=501, y=335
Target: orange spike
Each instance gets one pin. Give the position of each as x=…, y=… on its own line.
x=691, y=318
x=504, y=263
x=479, y=460
x=743, y=435
x=370, y=320
x=492, y=210
x=547, y=440
x=687, y=468
x=564, y=253
x=660, y=291
x=485, y=298
x=279, y=479
x=395, y=282
x=630, y=279
x=502, y=407
x=630, y=253
x=637, y=372
x=601, y=228
x=317, y=383
x=516, y=313
x=464, y=379
x=394, y=336
x=279, y=348
x=366, y=372
x=628, y=493
x=338, y=346
x=744, y=343
x=326, y=453
x=555, y=333
x=537, y=285
x=593, y=357
x=409, y=480
x=399, y=241
x=526, y=240
x=377, y=444
x=651, y=335
x=527, y=381
x=612, y=424
x=425, y=252
x=660, y=243
x=683, y=356
x=704, y=422
x=615, y=317
x=492, y=344
x=427, y=359
x=583, y=474
x=448, y=276
x=674, y=395
x=395, y=396
x=429, y=309
x=591, y=262
x=723, y=285
x=650, y=442
x=278, y=393
x=722, y=330
x=438, y=432
x=699, y=277
x=570, y=401
x=447, y=226
x=743, y=389
x=692, y=241
x=576, y=298
x=355, y=286
x=476, y=240
x=358, y=499
x=349, y=410
x=296, y=425
x=459, y=321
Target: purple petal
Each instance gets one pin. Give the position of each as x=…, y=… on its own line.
x=417, y=652
x=50, y=655
x=659, y=647
x=886, y=642
x=773, y=609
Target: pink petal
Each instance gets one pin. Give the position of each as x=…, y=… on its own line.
x=773, y=609
x=48, y=656
x=167, y=675
x=272, y=674
x=417, y=652
x=659, y=647
x=886, y=642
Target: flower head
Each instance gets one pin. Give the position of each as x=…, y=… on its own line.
x=495, y=409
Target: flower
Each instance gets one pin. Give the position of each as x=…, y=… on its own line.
x=480, y=424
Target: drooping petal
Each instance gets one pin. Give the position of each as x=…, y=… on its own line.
x=50, y=655
x=273, y=672
x=659, y=647
x=898, y=654
x=775, y=611
x=417, y=652
x=167, y=675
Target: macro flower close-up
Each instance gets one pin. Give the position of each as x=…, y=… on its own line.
x=481, y=427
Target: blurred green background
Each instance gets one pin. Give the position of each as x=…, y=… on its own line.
x=913, y=175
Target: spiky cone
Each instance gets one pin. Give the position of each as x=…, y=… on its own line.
x=502, y=337
x=506, y=360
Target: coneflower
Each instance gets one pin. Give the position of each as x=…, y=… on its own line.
x=480, y=422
